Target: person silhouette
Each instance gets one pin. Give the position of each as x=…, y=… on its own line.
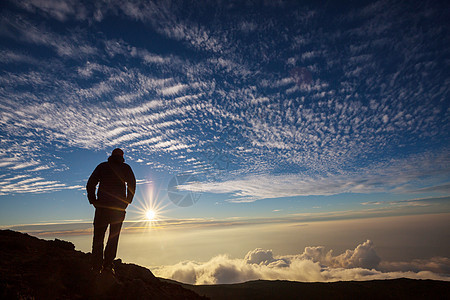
x=116, y=189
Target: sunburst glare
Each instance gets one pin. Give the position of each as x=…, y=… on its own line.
x=149, y=208
x=151, y=215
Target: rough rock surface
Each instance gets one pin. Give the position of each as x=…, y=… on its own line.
x=31, y=268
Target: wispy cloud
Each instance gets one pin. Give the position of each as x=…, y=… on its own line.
x=66, y=46
x=400, y=176
x=29, y=184
x=410, y=202
x=60, y=10
x=8, y=57
x=363, y=104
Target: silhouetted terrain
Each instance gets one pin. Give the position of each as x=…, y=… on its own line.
x=377, y=289
x=31, y=268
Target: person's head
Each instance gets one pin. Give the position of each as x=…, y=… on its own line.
x=118, y=152
x=116, y=156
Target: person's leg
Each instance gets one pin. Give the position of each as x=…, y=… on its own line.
x=115, y=226
x=100, y=225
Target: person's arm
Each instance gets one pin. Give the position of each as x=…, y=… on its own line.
x=131, y=185
x=92, y=184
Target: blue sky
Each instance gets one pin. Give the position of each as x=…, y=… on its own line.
x=279, y=109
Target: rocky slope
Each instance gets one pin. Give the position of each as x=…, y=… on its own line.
x=31, y=268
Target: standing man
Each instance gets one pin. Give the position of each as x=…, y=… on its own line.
x=115, y=193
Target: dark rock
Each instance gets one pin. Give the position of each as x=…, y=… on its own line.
x=31, y=268
x=63, y=244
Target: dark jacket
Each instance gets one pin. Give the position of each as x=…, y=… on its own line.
x=117, y=184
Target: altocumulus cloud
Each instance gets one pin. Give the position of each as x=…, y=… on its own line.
x=314, y=264
x=360, y=103
x=397, y=175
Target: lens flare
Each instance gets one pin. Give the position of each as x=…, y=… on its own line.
x=151, y=215
x=147, y=210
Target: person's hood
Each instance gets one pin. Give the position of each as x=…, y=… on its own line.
x=116, y=159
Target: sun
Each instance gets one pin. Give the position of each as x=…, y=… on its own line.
x=150, y=211
x=150, y=215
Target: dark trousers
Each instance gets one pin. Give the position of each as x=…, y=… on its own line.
x=103, y=218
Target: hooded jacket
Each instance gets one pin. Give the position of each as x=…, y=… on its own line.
x=117, y=184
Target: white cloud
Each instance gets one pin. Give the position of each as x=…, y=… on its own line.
x=70, y=46
x=58, y=9
x=410, y=202
x=21, y=184
x=24, y=165
x=314, y=264
x=439, y=265
x=5, y=161
x=91, y=67
x=395, y=176
x=73, y=118
x=16, y=57
x=152, y=58
x=143, y=181
x=325, y=127
x=173, y=90
x=248, y=27
x=165, y=17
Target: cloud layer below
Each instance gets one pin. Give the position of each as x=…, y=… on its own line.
x=315, y=264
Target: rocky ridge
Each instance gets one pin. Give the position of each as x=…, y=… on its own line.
x=32, y=268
